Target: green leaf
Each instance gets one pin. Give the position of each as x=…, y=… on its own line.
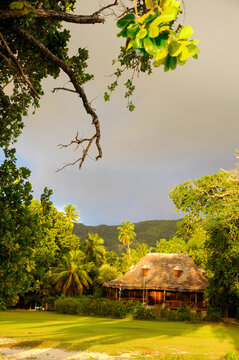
x=125, y=20
x=137, y=43
x=173, y=63
x=153, y=46
x=167, y=63
x=153, y=31
x=193, y=50
x=142, y=19
x=180, y=62
x=142, y=33
x=184, y=54
x=185, y=33
x=175, y=48
x=132, y=30
x=161, y=55
x=158, y=62
x=123, y=32
x=168, y=15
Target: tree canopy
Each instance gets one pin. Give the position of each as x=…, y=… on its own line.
x=211, y=203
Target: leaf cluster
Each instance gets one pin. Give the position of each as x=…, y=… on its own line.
x=153, y=34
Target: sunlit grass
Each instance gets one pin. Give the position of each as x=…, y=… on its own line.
x=47, y=329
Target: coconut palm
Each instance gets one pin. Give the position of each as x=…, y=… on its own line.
x=72, y=213
x=71, y=275
x=126, y=234
x=141, y=251
x=94, y=249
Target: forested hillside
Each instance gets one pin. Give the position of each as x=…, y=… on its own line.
x=146, y=232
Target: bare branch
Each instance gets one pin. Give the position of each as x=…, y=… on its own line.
x=75, y=82
x=85, y=152
x=63, y=88
x=106, y=7
x=20, y=69
x=53, y=14
x=77, y=141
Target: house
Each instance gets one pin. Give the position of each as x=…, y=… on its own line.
x=157, y=279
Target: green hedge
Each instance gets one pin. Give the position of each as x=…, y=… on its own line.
x=88, y=305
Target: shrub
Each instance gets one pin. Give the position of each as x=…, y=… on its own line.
x=143, y=313
x=2, y=305
x=88, y=305
x=184, y=313
x=213, y=314
x=66, y=305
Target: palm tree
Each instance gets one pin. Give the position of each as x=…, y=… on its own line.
x=141, y=251
x=72, y=213
x=126, y=234
x=71, y=275
x=94, y=249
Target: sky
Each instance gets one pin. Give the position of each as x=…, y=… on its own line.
x=185, y=124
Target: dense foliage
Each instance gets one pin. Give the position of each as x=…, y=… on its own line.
x=88, y=305
x=211, y=203
x=18, y=230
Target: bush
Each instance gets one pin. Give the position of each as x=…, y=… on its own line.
x=2, y=305
x=213, y=314
x=143, y=313
x=184, y=313
x=88, y=305
x=66, y=305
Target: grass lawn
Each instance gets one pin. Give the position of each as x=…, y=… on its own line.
x=47, y=329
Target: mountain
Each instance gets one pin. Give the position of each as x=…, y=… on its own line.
x=146, y=232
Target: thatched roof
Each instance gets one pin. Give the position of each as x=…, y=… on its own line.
x=161, y=274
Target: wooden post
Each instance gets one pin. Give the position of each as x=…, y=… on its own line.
x=196, y=298
x=164, y=295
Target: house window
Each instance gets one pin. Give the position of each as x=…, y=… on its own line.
x=177, y=273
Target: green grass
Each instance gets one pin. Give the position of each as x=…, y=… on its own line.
x=46, y=329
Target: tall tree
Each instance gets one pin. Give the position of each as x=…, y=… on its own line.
x=55, y=236
x=126, y=234
x=212, y=201
x=71, y=276
x=18, y=230
x=141, y=251
x=72, y=213
x=175, y=245
x=94, y=249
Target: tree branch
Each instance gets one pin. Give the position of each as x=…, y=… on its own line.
x=53, y=14
x=75, y=82
x=63, y=88
x=20, y=69
x=85, y=152
x=105, y=7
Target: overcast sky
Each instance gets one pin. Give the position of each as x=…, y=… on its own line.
x=185, y=124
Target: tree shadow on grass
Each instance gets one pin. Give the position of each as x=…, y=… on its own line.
x=86, y=333
x=144, y=336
